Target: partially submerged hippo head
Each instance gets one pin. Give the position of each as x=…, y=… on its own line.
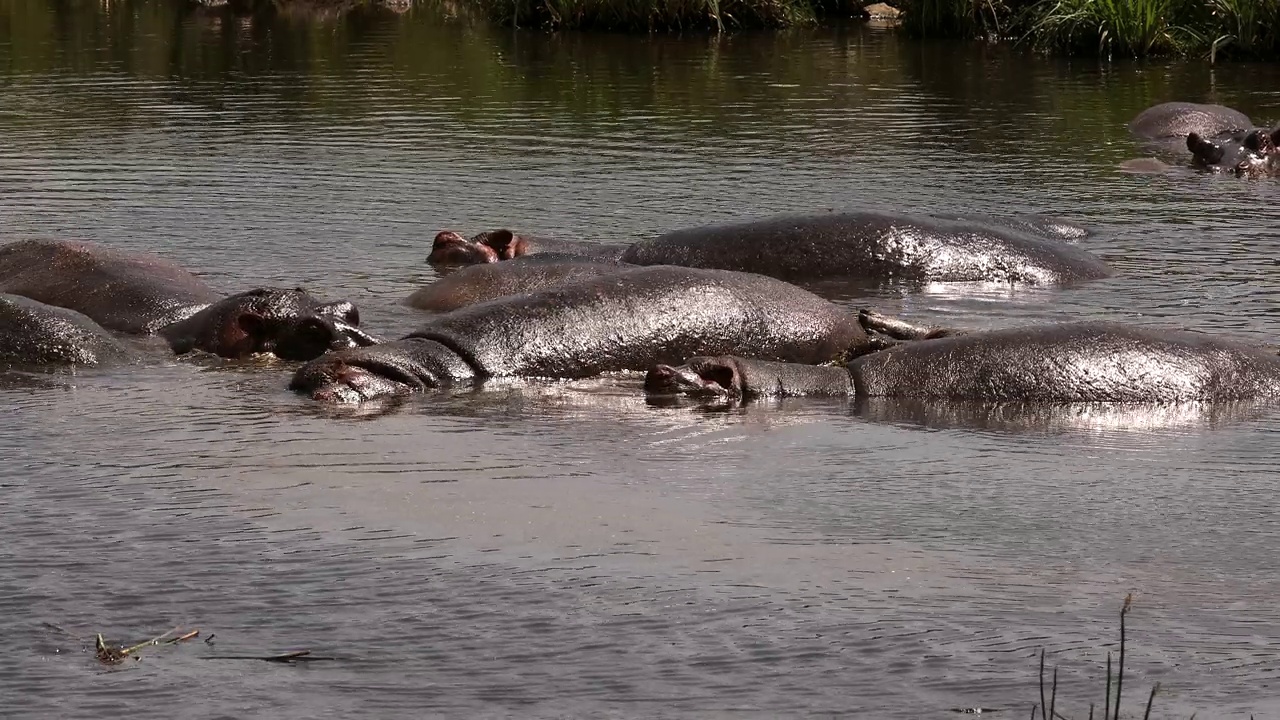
x=697, y=377
x=450, y=248
x=1247, y=153
x=290, y=324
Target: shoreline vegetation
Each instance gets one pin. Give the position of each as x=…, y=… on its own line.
x=1209, y=29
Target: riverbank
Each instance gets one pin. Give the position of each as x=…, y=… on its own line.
x=1210, y=29
x=1108, y=28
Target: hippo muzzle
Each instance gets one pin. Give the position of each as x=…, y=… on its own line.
x=698, y=377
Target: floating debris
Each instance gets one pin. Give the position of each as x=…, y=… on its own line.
x=108, y=655
x=289, y=657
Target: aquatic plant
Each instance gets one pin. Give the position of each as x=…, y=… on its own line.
x=955, y=18
x=1136, y=28
x=1130, y=27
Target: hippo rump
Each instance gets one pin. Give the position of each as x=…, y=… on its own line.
x=450, y=248
x=478, y=283
x=1177, y=120
x=1079, y=362
x=34, y=335
x=872, y=245
x=627, y=320
x=144, y=294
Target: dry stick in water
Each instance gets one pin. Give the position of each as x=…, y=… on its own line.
x=1128, y=601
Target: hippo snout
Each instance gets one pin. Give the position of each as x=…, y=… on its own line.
x=450, y=248
x=685, y=380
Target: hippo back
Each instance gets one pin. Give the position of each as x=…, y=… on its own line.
x=132, y=293
x=871, y=245
x=1071, y=362
x=1176, y=120
x=637, y=317
x=478, y=283
x=34, y=334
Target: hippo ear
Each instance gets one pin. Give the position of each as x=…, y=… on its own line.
x=503, y=242
x=252, y=324
x=1259, y=141
x=1203, y=149
x=722, y=371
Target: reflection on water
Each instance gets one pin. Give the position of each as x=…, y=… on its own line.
x=564, y=549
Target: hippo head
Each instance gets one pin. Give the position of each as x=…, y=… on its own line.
x=1247, y=153
x=290, y=324
x=450, y=248
x=698, y=377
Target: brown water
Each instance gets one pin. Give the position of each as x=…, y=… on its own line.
x=564, y=549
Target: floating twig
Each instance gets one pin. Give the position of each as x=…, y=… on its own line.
x=289, y=657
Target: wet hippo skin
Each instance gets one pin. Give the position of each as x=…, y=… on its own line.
x=623, y=321
x=872, y=245
x=1063, y=363
x=144, y=294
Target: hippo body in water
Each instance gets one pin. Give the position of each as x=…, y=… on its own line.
x=1174, y=121
x=33, y=334
x=1219, y=139
x=1079, y=362
x=627, y=320
x=872, y=245
x=479, y=283
x=147, y=295
x=450, y=248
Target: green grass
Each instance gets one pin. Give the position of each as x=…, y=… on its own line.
x=1109, y=28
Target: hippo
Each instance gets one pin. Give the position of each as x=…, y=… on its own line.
x=1075, y=362
x=479, y=283
x=36, y=335
x=1047, y=226
x=1246, y=153
x=872, y=245
x=627, y=320
x=1177, y=120
x=450, y=248
x=143, y=294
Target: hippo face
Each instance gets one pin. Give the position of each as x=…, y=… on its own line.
x=290, y=324
x=703, y=377
x=1247, y=153
x=450, y=248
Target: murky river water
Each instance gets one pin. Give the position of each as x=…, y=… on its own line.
x=552, y=550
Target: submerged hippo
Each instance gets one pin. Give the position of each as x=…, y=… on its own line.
x=148, y=295
x=1079, y=362
x=33, y=334
x=872, y=245
x=450, y=248
x=479, y=283
x=627, y=320
x=1177, y=120
x=1219, y=139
